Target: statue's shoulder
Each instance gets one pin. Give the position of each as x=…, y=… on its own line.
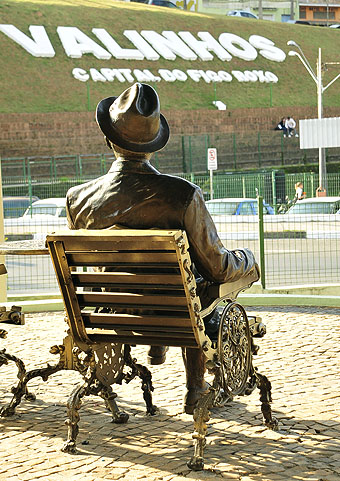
x=181, y=181
x=85, y=186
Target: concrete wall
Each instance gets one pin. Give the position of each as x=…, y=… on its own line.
x=65, y=133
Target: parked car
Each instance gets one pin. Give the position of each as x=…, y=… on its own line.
x=15, y=206
x=236, y=206
x=41, y=217
x=336, y=25
x=242, y=13
x=299, y=22
x=316, y=205
x=158, y=3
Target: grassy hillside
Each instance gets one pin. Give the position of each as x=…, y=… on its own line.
x=31, y=84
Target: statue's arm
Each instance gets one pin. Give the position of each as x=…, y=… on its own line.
x=212, y=260
x=70, y=222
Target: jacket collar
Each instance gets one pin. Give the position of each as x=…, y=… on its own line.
x=125, y=165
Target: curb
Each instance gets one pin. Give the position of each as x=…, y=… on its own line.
x=289, y=300
x=50, y=305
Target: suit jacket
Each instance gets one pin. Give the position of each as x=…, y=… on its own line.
x=135, y=195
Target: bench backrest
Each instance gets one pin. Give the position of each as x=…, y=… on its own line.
x=127, y=286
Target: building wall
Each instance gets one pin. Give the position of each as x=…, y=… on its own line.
x=271, y=10
x=318, y=14
x=67, y=133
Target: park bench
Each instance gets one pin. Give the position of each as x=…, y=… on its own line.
x=123, y=288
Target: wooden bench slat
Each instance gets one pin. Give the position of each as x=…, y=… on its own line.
x=142, y=340
x=121, y=299
x=157, y=281
x=112, y=244
x=151, y=320
x=150, y=331
x=103, y=258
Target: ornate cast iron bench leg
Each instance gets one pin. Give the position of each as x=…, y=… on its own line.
x=21, y=389
x=87, y=366
x=234, y=375
x=4, y=358
x=90, y=369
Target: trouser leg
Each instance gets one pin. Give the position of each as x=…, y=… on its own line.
x=157, y=354
x=194, y=363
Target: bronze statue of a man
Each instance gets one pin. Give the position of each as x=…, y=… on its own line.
x=134, y=194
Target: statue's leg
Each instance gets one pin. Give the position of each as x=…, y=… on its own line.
x=118, y=417
x=264, y=386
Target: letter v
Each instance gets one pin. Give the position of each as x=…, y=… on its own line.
x=40, y=46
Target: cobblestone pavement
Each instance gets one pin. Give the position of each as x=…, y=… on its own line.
x=300, y=353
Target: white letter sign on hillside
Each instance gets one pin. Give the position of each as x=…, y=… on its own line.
x=202, y=47
x=76, y=43
x=114, y=48
x=149, y=45
x=267, y=48
x=40, y=46
x=237, y=46
x=168, y=45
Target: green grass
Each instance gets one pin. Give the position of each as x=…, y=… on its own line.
x=30, y=84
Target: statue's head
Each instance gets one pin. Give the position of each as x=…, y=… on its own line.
x=133, y=120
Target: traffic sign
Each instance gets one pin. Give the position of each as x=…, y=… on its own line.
x=212, y=159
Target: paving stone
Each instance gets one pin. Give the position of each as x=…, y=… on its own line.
x=305, y=388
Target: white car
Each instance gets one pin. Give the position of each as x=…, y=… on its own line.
x=315, y=207
x=38, y=220
x=242, y=13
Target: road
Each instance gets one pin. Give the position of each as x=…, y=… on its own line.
x=287, y=262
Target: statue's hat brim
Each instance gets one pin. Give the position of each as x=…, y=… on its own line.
x=120, y=122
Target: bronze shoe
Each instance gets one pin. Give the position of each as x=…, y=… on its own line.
x=192, y=395
x=157, y=355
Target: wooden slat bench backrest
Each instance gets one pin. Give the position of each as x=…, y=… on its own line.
x=141, y=290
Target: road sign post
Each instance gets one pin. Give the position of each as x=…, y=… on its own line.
x=212, y=165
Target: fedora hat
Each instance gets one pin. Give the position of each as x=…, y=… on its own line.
x=133, y=120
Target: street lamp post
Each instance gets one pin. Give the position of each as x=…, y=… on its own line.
x=320, y=90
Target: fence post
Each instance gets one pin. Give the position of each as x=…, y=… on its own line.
x=244, y=187
x=282, y=150
x=3, y=279
x=274, y=200
x=261, y=241
x=30, y=193
x=190, y=155
x=312, y=183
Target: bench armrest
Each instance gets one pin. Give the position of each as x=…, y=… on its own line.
x=228, y=290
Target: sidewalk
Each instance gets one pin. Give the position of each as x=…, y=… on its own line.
x=300, y=354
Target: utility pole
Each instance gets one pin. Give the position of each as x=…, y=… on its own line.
x=322, y=189
x=260, y=10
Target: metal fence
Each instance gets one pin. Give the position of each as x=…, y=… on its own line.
x=301, y=252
